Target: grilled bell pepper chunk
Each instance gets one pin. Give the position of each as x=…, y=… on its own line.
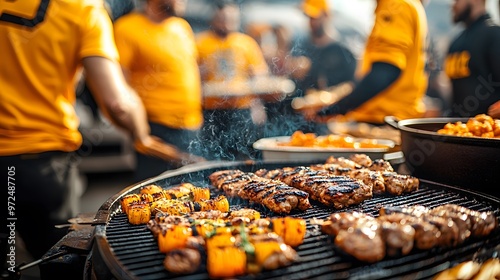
x=200, y=194
x=173, y=238
x=264, y=249
x=291, y=229
x=151, y=189
x=220, y=203
x=226, y=262
x=146, y=197
x=128, y=200
x=170, y=206
x=139, y=214
x=221, y=240
x=183, y=190
x=208, y=227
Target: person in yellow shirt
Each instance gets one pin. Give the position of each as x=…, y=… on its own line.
x=43, y=45
x=393, y=80
x=159, y=58
x=230, y=58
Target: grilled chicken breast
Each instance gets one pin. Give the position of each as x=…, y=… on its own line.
x=273, y=194
x=334, y=191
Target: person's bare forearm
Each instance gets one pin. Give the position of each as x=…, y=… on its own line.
x=494, y=110
x=115, y=98
x=125, y=109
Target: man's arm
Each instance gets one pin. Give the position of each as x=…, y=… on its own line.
x=117, y=100
x=125, y=109
x=381, y=76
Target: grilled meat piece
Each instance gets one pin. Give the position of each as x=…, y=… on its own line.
x=330, y=190
x=332, y=169
x=223, y=180
x=482, y=223
x=343, y=221
x=449, y=230
x=398, y=238
x=397, y=184
x=381, y=165
x=370, y=178
x=245, y=212
x=211, y=214
x=182, y=261
x=380, y=180
x=343, y=162
x=426, y=234
x=363, y=242
x=361, y=159
x=462, y=221
x=275, y=195
x=264, y=244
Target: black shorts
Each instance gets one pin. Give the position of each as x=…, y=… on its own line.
x=45, y=190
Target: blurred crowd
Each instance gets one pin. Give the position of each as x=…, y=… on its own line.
x=189, y=95
x=400, y=72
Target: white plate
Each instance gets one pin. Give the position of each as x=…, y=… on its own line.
x=271, y=150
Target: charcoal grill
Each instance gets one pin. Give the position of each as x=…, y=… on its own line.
x=123, y=251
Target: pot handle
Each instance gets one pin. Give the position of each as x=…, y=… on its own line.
x=392, y=121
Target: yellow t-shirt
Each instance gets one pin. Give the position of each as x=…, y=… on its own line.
x=43, y=44
x=231, y=60
x=398, y=38
x=161, y=61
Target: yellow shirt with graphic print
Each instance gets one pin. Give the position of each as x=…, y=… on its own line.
x=160, y=59
x=398, y=38
x=43, y=43
x=232, y=60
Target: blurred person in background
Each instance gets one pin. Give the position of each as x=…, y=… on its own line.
x=473, y=61
x=44, y=43
x=394, y=80
x=316, y=64
x=158, y=57
x=331, y=63
x=229, y=59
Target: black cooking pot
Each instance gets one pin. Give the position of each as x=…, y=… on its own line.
x=468, y=162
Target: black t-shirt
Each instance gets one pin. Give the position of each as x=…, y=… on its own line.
x=330, y=65
x=473, y=65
